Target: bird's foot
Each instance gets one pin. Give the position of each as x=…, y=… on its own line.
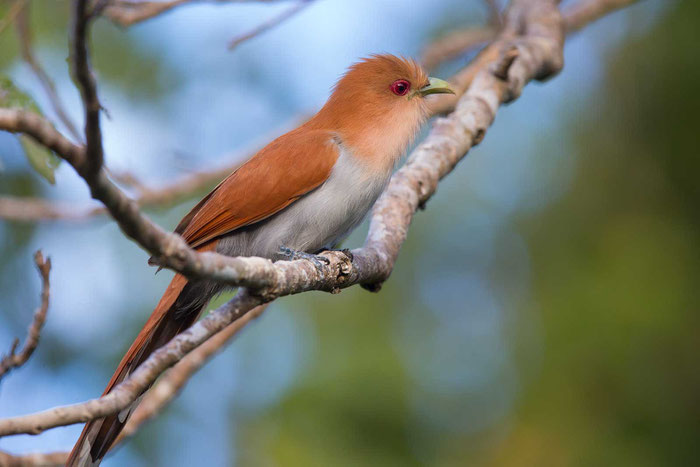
x=291, y=255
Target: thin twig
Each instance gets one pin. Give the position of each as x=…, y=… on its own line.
x=533, y=28
x=269, y=24
x=455, y=44
x=128, y=12
x=82, y=74
x=27, y=52
x=15, y=360
x=447, y=143
x=30, y=209
x=171, y=383
x=582, y=13
x=495, y=18
x=12, y=13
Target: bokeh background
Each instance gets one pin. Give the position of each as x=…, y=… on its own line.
x=544, y=309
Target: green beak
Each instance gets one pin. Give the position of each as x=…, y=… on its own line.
x=435, y=86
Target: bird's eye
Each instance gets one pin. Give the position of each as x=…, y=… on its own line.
x=400, y=87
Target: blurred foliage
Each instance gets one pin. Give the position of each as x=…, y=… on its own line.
x=615, y=266
x=616, y=263
x=41, y=159
x=452, y=364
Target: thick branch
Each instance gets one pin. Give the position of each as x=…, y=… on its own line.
x=15, y=360
x=447, y=48
x=169, y=249
x=540, y=51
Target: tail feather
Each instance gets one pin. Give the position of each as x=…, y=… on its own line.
x=166, y=321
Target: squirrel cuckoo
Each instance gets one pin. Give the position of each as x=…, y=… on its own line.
x=301, y=194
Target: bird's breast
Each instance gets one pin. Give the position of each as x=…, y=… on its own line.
x=320, y=218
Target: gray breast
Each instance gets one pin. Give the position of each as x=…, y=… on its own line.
x=318, y=220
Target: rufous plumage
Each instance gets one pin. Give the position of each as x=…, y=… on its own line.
x=301, y=194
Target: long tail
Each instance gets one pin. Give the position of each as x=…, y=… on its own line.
x=178, y=309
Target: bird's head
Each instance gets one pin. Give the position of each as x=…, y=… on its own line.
x=389, y=82
x=378, y=105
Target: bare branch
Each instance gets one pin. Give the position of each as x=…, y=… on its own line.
x=170, y=250
x=33, y=209
x=28, y=209
x=586, y=11
x=461, y=41
x=171, y=383
x=26, y=50
x=38, y=209
x=495, y=18
x=12, y=13
x=82, y=74
x=540, y=56
x=530, y=47
x=269, y=24
x=455, y=44
x=15, y=360
x=34, y=459
x=129, y=12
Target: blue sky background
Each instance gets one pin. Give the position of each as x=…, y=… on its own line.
x=215, y=106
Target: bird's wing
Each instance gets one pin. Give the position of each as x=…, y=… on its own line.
x=282, y=172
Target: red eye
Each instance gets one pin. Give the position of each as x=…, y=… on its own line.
x=400, y=87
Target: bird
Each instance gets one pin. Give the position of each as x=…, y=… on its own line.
x=301, y=194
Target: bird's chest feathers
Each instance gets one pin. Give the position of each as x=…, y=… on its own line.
x=330, y=212
x=383, y=139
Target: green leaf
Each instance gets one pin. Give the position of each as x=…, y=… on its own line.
x=12, y=96
x=41, y=159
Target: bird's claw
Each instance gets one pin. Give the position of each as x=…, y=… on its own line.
x=291, y=255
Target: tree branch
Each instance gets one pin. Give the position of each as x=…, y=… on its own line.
x=530, y=47
x=126, y=13
x=269, y=24
x=444, y=49
x=34, y=459
x=584, y=12
x=495, y=18
x=27, y=52
x=455, y=44
x=15, y=360
x=171, y=383
x=31, y=209
x=540, y=56
x=12, y=13
x=458, y=42
x=82, y=75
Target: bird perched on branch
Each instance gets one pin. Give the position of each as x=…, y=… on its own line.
x=301, y=194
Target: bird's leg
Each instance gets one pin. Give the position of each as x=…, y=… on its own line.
x=292, y=255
